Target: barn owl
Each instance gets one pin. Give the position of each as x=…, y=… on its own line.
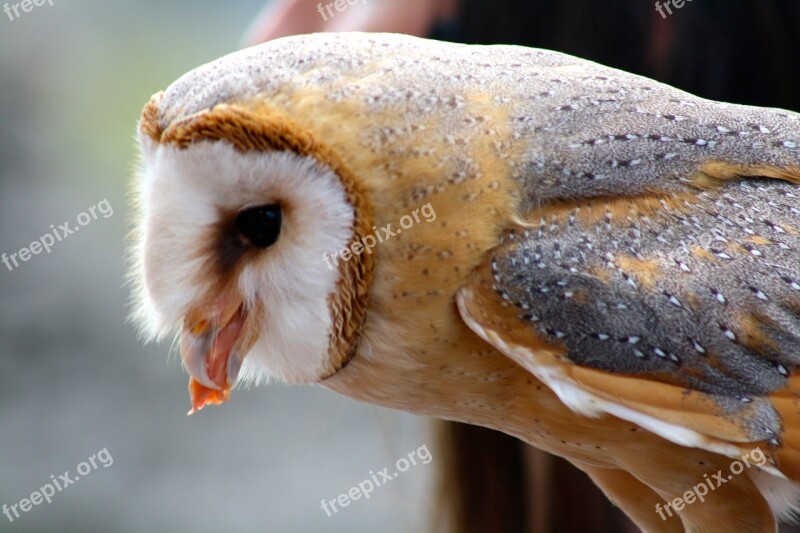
x=611, y=274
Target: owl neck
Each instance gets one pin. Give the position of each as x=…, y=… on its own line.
x=463, y=379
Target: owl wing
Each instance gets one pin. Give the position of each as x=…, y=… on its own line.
x=678, y=312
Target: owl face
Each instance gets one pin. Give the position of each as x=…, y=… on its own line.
x=230, y=253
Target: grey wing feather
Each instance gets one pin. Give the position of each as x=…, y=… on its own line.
x=706, y=297
x=596, y=131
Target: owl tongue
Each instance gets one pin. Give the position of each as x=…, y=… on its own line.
x=221, y=366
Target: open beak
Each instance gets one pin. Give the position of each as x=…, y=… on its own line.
x=211, y=353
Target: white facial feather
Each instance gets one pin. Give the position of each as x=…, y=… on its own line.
x=181, y=193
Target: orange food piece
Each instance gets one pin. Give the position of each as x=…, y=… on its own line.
x=201, y=395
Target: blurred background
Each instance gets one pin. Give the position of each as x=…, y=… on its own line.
x=74, y=379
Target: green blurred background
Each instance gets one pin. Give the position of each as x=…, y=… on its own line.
x=73, y=377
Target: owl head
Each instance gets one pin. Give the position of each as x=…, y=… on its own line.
x=239, y=213
x=260, y=168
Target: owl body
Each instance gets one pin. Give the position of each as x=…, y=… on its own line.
x=611, y=274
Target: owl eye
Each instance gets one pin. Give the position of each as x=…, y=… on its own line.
x=260, y=225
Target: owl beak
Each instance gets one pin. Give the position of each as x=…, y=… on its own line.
x=210, y=356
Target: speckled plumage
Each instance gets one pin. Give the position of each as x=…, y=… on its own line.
x=687, y=294
x=612, y=275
